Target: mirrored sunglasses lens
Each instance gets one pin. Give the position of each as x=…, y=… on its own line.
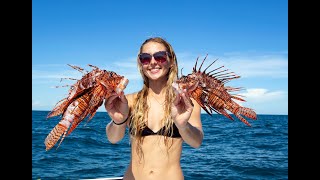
x=145, y=58
x=160, y=57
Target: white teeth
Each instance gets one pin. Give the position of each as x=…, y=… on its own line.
x=154, y=70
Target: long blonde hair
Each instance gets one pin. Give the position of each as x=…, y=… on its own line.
x=140, y=108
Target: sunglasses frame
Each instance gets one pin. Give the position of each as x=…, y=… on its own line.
x=147, y=62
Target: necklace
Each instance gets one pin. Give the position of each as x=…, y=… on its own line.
x=161, y=104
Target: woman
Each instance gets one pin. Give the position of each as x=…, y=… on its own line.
x=159, y=119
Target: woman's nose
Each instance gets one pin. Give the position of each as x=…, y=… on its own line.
x=153, y=61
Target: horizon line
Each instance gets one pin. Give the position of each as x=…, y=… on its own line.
x=201, y=113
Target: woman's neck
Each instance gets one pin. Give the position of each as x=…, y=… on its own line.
x=157, y=87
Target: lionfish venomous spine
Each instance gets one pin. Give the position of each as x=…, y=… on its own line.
x=84, y=98
x=210, y=92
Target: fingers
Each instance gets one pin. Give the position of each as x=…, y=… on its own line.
x=182, y=97
x=187, y=101
x=110, y=99
x=176, y=88
x=123, y=98
x=176, y=100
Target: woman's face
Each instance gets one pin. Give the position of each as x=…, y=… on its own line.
x=155, y=70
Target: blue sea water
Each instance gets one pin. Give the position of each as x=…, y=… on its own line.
x=230, y=150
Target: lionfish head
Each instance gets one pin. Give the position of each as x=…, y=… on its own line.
x=112, y=80
x=188, y=82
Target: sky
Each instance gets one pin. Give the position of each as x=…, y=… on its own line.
x=248, y=37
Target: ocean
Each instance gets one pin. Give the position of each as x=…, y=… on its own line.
x=230, y=150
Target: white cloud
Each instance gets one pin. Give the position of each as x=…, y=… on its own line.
x=36, y=104
x=260, y=95
x=271, y=66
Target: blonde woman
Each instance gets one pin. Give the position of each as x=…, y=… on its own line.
x=158, y=119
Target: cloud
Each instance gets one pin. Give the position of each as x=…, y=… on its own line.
x=36, y=104
x=252, y=64
x=272, y=65
x=260, y=95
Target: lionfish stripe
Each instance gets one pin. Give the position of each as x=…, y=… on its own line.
x=237, y=98
x=242, y=119
x=211, y=94
x=84, y=98
x=223, y=112
x=59, y=108
x=203, y=106
x=248, y=113
x=212, y=109
x=55, y=135
x=80, y=111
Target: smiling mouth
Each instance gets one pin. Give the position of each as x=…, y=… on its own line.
x=154, y=70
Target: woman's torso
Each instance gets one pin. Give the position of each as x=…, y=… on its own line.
x=157, y=160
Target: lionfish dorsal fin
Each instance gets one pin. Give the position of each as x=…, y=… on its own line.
x=95, y=67
x=181, y=72
x=215, y=70
x=195, y=66
x=202, y=63
x=209, y=66
x=77, y=68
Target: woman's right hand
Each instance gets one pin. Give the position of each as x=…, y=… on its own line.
x=117, y=107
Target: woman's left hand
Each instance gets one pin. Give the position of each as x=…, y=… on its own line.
x=181, y=109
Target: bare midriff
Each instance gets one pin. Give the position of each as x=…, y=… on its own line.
x=158, y=161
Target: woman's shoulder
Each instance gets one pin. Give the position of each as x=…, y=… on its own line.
x=131, y=97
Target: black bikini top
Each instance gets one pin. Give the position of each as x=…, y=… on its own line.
x=147, y=132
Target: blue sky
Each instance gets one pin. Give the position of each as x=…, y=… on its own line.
x=248, y=37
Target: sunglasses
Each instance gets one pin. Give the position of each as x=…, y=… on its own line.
x=160, y=57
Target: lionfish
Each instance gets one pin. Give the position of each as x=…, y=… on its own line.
x=84, y=98
x=209, y=91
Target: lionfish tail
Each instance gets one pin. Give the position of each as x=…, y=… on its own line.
x=55, y=134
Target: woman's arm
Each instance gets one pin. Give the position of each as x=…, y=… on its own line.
x=115, y=132
x=118, y=110
x=187, y=118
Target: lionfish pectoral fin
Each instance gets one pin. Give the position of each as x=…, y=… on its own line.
x=203, y=106
x=242, y=119
x=55, y=134
x=238, y=98
x=77, y=121
x=91, y=115
x=59, y=109
x=73, y=126
x=224, y=112
x=213, y=109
